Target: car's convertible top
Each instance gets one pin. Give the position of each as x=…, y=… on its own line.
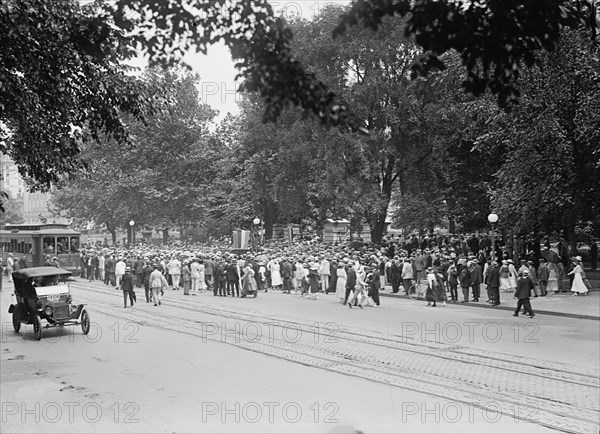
x=26, y=273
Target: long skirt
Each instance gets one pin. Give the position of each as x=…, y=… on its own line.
x=552, y=285
x=340, y=288
x=276, y=278
x=578, y=285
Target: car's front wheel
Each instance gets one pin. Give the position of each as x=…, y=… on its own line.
x=85, y=322
x=16, y=320
x=37, y=327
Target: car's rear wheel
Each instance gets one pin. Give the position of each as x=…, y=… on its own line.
x=85, y=322
x=37, y=327
x=16, y=318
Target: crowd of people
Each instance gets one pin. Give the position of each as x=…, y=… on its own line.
x=355, y=272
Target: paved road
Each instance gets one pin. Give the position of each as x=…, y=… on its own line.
x=404, y=367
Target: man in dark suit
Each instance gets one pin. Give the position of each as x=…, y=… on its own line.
x=146, y=271
x=350, y=282
x=464, y=278
x=287, y=274
x=109, y=277
x=493, y=282
x=476, y=280
x=395, y=274
x=138, y=268
x=233, y=279
x=523, y=292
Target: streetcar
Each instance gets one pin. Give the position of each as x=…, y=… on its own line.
x=36, y=242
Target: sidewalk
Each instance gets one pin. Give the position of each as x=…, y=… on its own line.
x=563, y=304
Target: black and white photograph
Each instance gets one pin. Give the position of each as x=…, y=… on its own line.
x=303, y=216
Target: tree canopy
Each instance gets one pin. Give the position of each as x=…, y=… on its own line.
x=61, y=63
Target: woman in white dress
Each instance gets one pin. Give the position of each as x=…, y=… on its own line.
x=276, y=281
x=512, y=276
x=340, y=286
x=202, y=278
x=552, y=278
x=578, y=286
x=504, y=277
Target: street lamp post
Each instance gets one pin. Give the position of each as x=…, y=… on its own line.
x=493, y=218
x=256, y=222
x=131, y=223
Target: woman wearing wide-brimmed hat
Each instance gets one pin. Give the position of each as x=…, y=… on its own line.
x=578, y=286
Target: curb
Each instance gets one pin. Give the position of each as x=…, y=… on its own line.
x=507, y=308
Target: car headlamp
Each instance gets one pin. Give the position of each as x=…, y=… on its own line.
x=48, y=311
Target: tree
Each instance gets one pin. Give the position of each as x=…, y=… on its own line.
x=62, y=63
x=548, y=181
x=62, y=86
x=12, y=214
x=370, y=72
x=496, y=39
x=159, y=178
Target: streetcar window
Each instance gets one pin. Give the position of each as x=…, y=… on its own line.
x=74, y=244
x=62, y=244
x=48, y=245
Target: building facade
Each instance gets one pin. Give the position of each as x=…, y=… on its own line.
x=33, y=206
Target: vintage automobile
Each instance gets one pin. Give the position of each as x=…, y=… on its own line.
x=43, y=293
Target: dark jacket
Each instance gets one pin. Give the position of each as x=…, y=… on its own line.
x=524, y=287
x=465, y=278
x=543, y=273
x=146, y=273
x=351, y=278
x=139, y=267
x=476, y=275
x=493, y=277
x=232, y=274
x=376, y=281
x=127, y=283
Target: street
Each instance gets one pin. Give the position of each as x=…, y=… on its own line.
x=281, y=363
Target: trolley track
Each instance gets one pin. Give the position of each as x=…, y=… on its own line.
x=527, y=389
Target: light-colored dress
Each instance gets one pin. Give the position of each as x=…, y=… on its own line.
x=504, y=278
x=578, y=284
x=512, y=276
x=276, y=274
x=202, y=277
x=340, y=286
x=248, y=282
x=552, y=279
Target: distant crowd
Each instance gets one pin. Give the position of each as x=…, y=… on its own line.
x=452, y=267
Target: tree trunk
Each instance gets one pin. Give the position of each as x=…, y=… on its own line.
x=378, y=222
x=165, y=235
x=377, y=229
x=113, y=235
x=452, y=226
x=572, y=241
